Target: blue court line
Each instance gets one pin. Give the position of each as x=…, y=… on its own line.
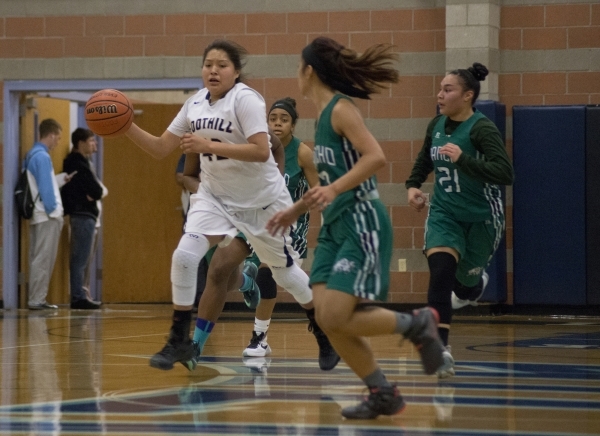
x=203, y=428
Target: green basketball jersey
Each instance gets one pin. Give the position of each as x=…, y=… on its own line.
x=463, y=197
x=297, y=185
x=334, y=156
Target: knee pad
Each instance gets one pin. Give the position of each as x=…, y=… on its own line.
x=295, y=281
x=184, y=268
x=266, y=283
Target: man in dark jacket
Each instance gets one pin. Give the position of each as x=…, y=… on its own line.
x=79, y=199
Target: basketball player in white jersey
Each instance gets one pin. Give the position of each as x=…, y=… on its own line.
x=224, y=125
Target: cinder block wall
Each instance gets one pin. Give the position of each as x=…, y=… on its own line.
x=549, y=54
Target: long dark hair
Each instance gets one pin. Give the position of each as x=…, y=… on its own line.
x=344, y=70
x=236, y=53
x=470, y=78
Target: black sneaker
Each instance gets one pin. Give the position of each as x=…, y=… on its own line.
x=85, y=304
x=172, y=352
x=423, y=333
x=385, y=400
x=328, y=357
x=251, y=297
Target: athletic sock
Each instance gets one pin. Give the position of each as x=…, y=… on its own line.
x=202, y=331
x=261, y=326
x=403, y=321
x=376, y=379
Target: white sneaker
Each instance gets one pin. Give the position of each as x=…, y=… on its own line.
x=258, y=346
x=457, y=303
x=447, y=368
x=258, y=365
x=443, y=401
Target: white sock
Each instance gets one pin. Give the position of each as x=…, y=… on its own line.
x=261, y=326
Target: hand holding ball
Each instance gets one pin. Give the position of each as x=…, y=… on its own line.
x=109, y=113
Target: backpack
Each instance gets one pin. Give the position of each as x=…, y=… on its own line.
x=24, y=202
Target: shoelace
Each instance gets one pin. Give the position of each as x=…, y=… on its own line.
x=255, y=341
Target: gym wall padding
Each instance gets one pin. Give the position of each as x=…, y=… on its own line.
x=592, y=199
x=549, y=221
x=495, y=292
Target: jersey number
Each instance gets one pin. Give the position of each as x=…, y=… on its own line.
x=212, y=156
x=324, y=178
x=447, y=181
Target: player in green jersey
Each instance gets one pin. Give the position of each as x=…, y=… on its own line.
x=300, y=173
x=466, y=218
x=352, y=258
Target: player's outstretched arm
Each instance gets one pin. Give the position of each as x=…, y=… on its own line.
x=155, y=146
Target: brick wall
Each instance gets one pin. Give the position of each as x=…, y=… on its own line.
x=543, y=61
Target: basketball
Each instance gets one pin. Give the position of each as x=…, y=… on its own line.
x=109, y=113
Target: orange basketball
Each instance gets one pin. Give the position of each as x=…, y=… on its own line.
x=109, y=113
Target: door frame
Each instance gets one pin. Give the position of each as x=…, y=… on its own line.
x=12, y=165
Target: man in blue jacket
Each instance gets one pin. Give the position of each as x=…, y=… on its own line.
x=47, y=220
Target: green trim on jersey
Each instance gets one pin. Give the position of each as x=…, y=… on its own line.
x=296, y=182
x=334, y=156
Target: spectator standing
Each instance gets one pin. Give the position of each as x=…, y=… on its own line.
x=80, y=202
x=47, y=220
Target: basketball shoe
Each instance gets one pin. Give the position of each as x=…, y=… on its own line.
x=251, y=296
x=384, y=400
x=457, y=303
x=423, y=333
x=258, y=346
x=174, y=351
x=328, y=357
x=447, y=368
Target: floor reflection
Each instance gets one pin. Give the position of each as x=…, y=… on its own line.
x=73, y=372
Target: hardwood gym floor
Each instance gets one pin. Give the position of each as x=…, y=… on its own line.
x=86, y=373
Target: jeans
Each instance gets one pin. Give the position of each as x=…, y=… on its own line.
x=82, y=237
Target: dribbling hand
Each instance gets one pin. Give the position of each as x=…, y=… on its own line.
x=194, y=144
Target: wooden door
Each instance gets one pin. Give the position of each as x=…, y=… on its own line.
x=141, y=214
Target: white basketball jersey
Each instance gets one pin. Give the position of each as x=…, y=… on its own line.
x=238, y=115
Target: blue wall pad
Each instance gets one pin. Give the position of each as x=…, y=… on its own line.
x=495, y=292
x=592, y=199
x=549, y=205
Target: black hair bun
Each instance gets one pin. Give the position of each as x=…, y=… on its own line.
x=479, y=71
x=290, y=100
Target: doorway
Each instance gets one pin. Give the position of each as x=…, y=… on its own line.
x=131, y=165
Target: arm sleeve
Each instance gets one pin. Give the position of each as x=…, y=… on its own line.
x=89, y=183
x=251, y=112
x=179, y=126
x=423, y=165
x=42, y=171
x=496, y=168
x=84, y=179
